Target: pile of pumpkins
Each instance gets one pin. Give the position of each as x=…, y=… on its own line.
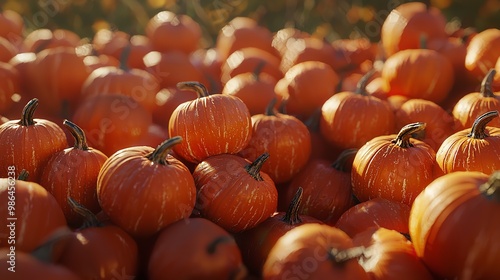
x=270, y=155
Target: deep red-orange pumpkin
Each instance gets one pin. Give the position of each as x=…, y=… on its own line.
x=143, y=190
x=73, y=172
x=233, y=192
x=195, y=248
x=210, y=125
x=10, y=84
x=395, y=167
x=464, y=202
x=483, y=51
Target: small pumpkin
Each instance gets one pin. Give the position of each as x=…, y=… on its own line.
x=10, y=84
x=233, y=192
x=467, y=202
x=394, y=167
x=195, y=248
x=482, y=53
x=166, y=100
x=210, y=125
x=472, y=149
x=143, y=190
x=40, y=39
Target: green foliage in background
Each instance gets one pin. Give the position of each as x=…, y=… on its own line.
x=332, y=19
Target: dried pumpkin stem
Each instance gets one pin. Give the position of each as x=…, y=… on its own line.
x=361, y=85
x=492, y=188
x=478, y=130
x=212, y=246
x=28, y=112
x=486, y=90
x=254, y=168
x=124, y=56
x=292, y=214
x=312, y=122
x=23, y=175
x=159, y=155
x=78, y=134
x=197, y=87
x=340, y=163
x=342, y=256
x=270, y=110
x=258, y=69
x=403, y=138
x=90, y=219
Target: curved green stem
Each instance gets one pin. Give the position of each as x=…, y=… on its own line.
x=270, y=110
x=478, y=130
x=159, y=155
x=197, y=87
x=486, y=90
x=403, y=138
x=292, y=214
x=90, y=219
x=28, y=112
x=361, y=85
x=124, y=56
x=254, y=168
x=23, y=176
x=78, y=134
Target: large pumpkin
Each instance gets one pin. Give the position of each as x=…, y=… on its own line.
x=453, y=225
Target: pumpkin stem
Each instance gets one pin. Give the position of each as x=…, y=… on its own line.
x=23, y=175
x=282, y=106
x=197, y=87
x=486, y=90
x=312, y=122
x=90, y=219
x=478, y=130
x=270, y=110
x=44, y=253
x=258, y=69
x=292, y=214
x=403, y=138
x=492, y=188
x=159, y=155
x=342, y=256
x=423, y=41
x=212, y=246
x=361, y=85
x=28, y=112
x=341, y=161
x=254, y=168
x=78, y=134
x=124, y=56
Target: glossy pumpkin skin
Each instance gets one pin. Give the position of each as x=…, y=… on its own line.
x=9, y=84
x=305, y=252
x=376, y=212
x=473, y=104
x=195, y=248
x=390, y=255
x=143, y=190
x=482, y=53
x=233, y=193
x=166, y=100
x=38, y=213
x=29, y=142
x=472, y=149
x=210, y=125
x=404, y=26
x=394, y=167
x=285, y=138
x=457, y=203
x=419, y=73
x=73, y=172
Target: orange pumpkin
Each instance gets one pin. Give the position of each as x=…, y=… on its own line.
x=483, y=51
x=9, y=86
x=43, y=38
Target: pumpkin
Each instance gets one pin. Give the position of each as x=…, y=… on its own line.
x=10, y=85
x=406, y=24
x=143, y=190
x=166, y=25
x=247, y=60
x=327, y=187
x=307, y=49
x=73, y=172
x=23, y=62
x=210, y=125
x=99, y=251
x=306, y=86
x=255, y=89
x=12, y=26
x=321, y=148
x=419, y=73
x=472, y=149
x=256, y=243
x=208, y=61
x=473, y=104
x=29, y=142
x=352, y=53
x=390, y=255
x=112, y=121
x=439, y=123
x=7, y=50
x=195, y=249
x=465, y=202
x=285, y=138
x=482, y=53
x=233, y=192
x=40, y=39
x=346, y=130
x=34, y=217
x=286, y=36
x=166, y=100
x=314, y=251
x=139, y=84
x=394, y=167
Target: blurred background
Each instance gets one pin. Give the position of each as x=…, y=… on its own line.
x=330, y=19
